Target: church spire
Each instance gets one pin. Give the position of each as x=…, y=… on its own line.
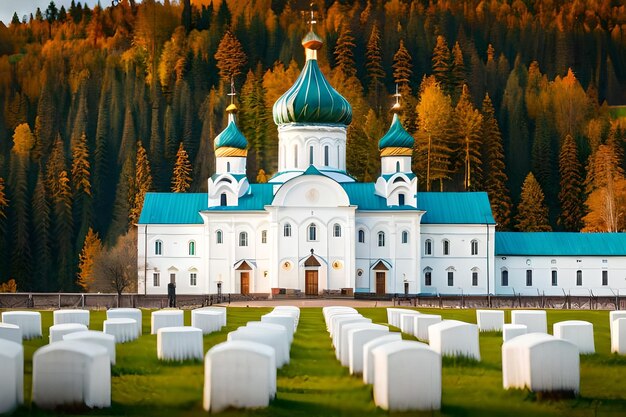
x=311, y=42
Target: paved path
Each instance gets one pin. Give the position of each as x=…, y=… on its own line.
x=312, y=302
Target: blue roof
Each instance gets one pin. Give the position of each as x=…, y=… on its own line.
x=362, y=194
x=230, y=137
x=560, y=244
x=256, y=198
x=455, y=208
x=173, y=208
x=396, y=136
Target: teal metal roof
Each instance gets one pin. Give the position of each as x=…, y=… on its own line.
x=455, y=208
x=231, y=137
x=362, y=195
x=560, y=244
x=255, y=199
x=173, y=208
x=396, y=136
x=312, y=100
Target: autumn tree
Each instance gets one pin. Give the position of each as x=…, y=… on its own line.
x=261, y=177
x=90, y=252
x=43, y=275
x=230, y=57
x=181, y=178
x=468, y=123
x=115, y=268
x=143, y=183
x=494, y=168
x=570, y=194
x=532, y=213
x=374, y=66
x=457, y=72
x=402, y=67
x=434, y=141
x=4, y=201
x=568, y=99
x=63, y=230
x=442, y=65
x=344, y=55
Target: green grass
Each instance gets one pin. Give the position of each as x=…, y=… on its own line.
x=315, y=384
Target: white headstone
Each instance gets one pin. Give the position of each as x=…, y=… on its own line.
x=166, y=318
x=578, y=332
x=208, y=321
x=276, y=339
x=618, y=336
x=421, y=323
x=509, y=331
x=71, y=316
x=28, y=321
x=613, y=315
x=357, y=339
x=59, y=330
x=535, y=320
x=344, y=338
x=490, y=320
x=179, y=343
x=127, y=313
x=455, y=338
x=107, y=341
x=368, y=358
x=124, y=330
x=407, y=319
x=12, y=375
x=11, y=332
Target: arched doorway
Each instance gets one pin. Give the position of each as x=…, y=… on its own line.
x=311, y=276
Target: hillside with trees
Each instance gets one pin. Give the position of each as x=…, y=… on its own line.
x=99, y=106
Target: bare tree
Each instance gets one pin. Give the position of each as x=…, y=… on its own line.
x=116, y=267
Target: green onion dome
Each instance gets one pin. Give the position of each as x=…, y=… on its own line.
x=230, y=141
x=312, y=99
x=396, y=137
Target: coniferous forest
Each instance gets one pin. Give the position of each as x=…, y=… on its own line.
x=99, y=106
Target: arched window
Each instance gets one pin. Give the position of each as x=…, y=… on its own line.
x=311, y=159
x=450, y=278
x=326, y=154
x=381, y=239
x=579, y=278
x=401, y=199
x=428, y=247
x=192, y=248
x=337, y=230
x=227, y=166
x=405, y=237
x=361, y=236
x=223, y=200
x=474, y=277
x=287, y=230
x=243, y=239
x=446, y=247
x=504, y=278
x=474, y=247
x=398, y=166
x=219, y=237
x=312, y=232
x=263, y=236
x=428, y=276
x=295, y=156
x=158, y=247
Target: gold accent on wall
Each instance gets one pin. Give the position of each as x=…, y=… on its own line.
x=225, y=152
x=396, y=152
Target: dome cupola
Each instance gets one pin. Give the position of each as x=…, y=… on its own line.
x=230, y=142
x=312, y=100
x=396, y=141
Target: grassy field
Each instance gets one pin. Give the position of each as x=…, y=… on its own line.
x=315, y=384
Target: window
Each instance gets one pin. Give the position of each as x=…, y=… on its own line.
x=219, y=237
x=381, y=238
x=295, y=156
x=504, y=278
x=555, y=278
x=287, y=230
x=446, y=247
x=605, y=277
x=172, y=278
x=398, y=166
x=263, y=236
x=243, y=239
x=401, y=199
x=326, y=155
x=361, y=236
x=579, y=278
x=223, y=200
x=156, y=279
x=474, y=278
x=192, y=248
x=529, y=277
x=428, y=277
x=312, y=232
x=405, y=237
x=428, y=247
x=474, y=247
x=310, y=155
x=450, y=278
x=193, y=279
x=227, y=166
x=158, y=247
x=337, y=230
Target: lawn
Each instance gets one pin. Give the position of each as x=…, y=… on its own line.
x=315, y=384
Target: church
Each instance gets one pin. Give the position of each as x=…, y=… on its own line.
x=313, y=230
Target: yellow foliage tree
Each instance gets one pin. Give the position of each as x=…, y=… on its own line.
x=91, y=250
x=9, y=286
x=23, y=140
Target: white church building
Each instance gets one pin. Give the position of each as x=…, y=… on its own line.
x=312, y=229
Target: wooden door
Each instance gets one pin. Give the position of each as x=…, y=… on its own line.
x=310, y=283
x=380, y=283
x=245, y=283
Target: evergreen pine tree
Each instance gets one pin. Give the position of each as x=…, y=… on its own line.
x=442, y=64
x=4, y=201
x=4, y=252
x=253, y=122
x=230, y=57
x=92, y=248
x=344, y=52
x=63, y=232
x=81, y=185
x=43, y=275
x=457, y=72
x=128, y=136
x=570, y=194
x=468, y=122
x=181, y=178
x=143, y=183
x=402, y=67
x=493, y=162
x=532, y=213
x=124, y=199
x=375, y=71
